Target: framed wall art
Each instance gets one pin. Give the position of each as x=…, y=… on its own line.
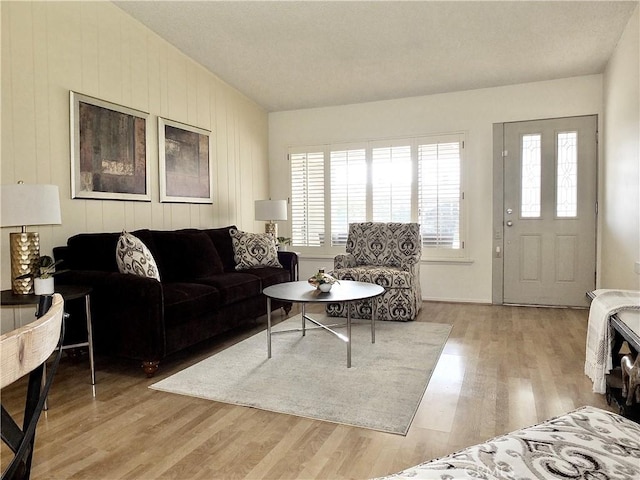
x=108, y=150
x=185, y=163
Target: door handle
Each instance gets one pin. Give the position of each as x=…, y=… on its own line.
x=509, y=223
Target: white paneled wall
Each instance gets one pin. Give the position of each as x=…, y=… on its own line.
x=94, y=48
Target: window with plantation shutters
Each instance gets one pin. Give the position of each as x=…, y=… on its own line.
x=348, y=192
x=439, y=193
x=307, y=198
x=391, y=180
x=398, y=180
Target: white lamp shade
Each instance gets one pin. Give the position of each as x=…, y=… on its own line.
x=271, y=209
x=24, y=204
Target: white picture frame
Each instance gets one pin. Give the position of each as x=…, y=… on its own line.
x=109, y=150
x=185, y=164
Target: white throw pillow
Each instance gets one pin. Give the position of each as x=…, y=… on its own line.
x=134, y=257
x=253, y=250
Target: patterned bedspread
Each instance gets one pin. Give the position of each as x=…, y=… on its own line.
x=588, y=443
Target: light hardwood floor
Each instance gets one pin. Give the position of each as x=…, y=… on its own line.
x=502, y=368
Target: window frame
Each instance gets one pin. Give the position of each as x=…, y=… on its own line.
x=428, y=253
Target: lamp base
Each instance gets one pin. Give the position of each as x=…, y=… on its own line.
x=272, y=228
x=25, y=254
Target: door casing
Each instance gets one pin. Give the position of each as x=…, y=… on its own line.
x=498, y=230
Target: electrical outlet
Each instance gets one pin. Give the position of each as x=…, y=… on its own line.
x=636, y=268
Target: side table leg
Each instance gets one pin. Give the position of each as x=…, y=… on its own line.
x=87, y=306
x=268, y=327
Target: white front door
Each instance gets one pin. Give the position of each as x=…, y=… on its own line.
x=550, y=211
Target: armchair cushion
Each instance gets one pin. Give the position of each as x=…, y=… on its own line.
x=388, y=277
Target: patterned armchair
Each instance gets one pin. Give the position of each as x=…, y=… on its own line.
x=387, y=254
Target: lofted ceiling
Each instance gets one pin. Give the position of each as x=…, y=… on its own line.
x=302, y=54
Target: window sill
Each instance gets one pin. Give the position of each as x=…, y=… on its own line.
x=446, y=261
x=423, y=261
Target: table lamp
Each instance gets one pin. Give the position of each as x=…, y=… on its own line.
x=271, y=210
x=24, y=205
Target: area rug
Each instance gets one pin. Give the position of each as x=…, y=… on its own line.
x=308, y=376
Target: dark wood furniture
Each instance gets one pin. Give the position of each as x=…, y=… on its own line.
x=626, y=325
x=69, y=293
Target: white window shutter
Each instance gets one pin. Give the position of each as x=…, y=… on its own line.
x=348, y=191
x=307, y=199
x=439, y=193
x=391, y=178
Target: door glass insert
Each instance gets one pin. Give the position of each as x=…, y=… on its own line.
x=567, y=175
x=531, y=174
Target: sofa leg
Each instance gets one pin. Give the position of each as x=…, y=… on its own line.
x=150, y=367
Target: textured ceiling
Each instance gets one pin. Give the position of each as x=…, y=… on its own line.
x=292, y=55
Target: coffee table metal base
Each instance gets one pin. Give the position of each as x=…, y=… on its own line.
x=319, y=325
x=346, y=291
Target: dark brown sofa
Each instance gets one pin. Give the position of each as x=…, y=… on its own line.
x=200, y=294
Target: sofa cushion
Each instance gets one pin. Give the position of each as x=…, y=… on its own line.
x=234, y=286
x=254, y=250
x=133, y=257
x=222, y=241
x=93, y=251
x=388, y=277
x=270, y=275
x=185, y=301
x=184, y=256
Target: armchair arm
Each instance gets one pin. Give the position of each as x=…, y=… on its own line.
x=344, y=261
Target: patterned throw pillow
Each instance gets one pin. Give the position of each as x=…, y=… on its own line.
x=134, y=257
x=253, y=250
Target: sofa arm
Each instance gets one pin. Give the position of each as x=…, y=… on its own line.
x=344, y=261
x=289, y=260
x=127, y=312
x=129, y=315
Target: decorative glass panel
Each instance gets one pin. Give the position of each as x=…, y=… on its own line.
x=531, y=176
x=567, y=180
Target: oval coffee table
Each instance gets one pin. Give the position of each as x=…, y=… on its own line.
x=302, y=292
